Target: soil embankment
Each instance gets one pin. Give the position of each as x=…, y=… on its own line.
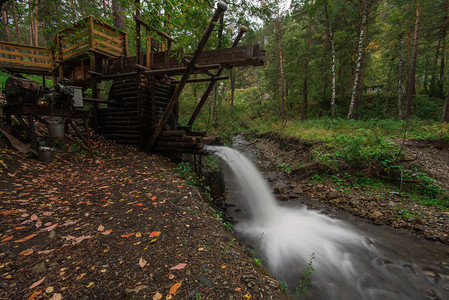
x=120, y=224
x=379, y=206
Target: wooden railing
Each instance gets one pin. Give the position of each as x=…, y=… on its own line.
x=26, y=56
x=91, y=35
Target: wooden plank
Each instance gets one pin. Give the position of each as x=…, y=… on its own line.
x=22, y=46
x=21, y=54
x=25, y=63
x=106, y=49
x=75, y=53
x=70, y=39
x=74, y=46
x=108, y=44
x=111, y=37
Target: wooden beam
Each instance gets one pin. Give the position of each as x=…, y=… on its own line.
x=209, y=89
x=149, y=27
x=181, y=69
x=221, y=8
x=203, y=79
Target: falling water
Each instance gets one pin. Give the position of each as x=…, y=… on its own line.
x=346, y=265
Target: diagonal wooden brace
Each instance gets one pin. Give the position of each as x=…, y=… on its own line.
x=221, y=8
x=209, y=89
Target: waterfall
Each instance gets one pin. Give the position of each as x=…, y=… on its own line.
x=285, y=238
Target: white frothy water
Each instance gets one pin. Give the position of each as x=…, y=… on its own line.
x=286, y=238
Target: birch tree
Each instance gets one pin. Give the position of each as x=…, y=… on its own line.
x=332, y=42
x=359, y=59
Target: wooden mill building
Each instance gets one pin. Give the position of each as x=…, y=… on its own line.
x=142, y=108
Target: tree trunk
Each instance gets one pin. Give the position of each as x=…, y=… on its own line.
x=445, y=116
x=306, y=71
x=400, y=75
x=331, y=40
x=16, y=23
x=359, y=60
x=281, y=64
x=5, y=23
x=36, y=34
x=232, y=79
x=443, y=47
x=118, y=18
x=215, y=104
x=411, y=82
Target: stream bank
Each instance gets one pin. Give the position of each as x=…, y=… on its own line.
x=378, y=206
x=385, y=262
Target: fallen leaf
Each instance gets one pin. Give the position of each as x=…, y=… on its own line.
x=155, y=234
x=168, y=297
x=153, y=198
x=139, y=204
x=142, y=262
x=179, y=266
x=38, y=224
x=247, y=296
x=175, y=288
x=106, y=250
x=35, y=294
x=107, y=232
x=127, y=235
x=46, y=251
x=138, y=235
x=49, y=228
x=56, y=296
x=136, y=289
x=6, y=239
x=90, y=284
x=26, y=238
x=27, y=252
x=157, y=296
x=49, y=290
x=20, y=227
x=37, y=283
x=100, y=228
x=33, y=217
x=171, y=276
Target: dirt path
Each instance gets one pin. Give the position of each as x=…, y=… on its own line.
x=380, y=207
x=119, y=225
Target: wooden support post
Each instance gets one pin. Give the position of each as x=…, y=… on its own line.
x=86, y=127
x=209, y=89
x=148, y=54
x=90, y=33
x=221, y=8
x=23, y=124
x=125, y=46
x=60, y=57
x=78, y=132
x=32, y=133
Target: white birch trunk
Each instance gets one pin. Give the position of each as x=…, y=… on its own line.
x=359, y=60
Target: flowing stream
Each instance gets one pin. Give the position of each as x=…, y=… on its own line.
x=346, y=263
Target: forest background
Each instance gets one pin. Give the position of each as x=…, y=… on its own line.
x=355, y=76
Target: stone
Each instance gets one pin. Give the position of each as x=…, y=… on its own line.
x=376, y=214
x=205, y=281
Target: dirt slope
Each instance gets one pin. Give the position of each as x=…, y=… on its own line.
x=117, y=225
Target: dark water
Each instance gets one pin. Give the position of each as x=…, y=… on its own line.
x=352, y=259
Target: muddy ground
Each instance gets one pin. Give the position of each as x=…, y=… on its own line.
x=379, y=207
x=117, y=224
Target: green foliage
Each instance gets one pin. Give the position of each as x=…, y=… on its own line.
x=284, y=287
x=184, y=171
x=305, y=283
